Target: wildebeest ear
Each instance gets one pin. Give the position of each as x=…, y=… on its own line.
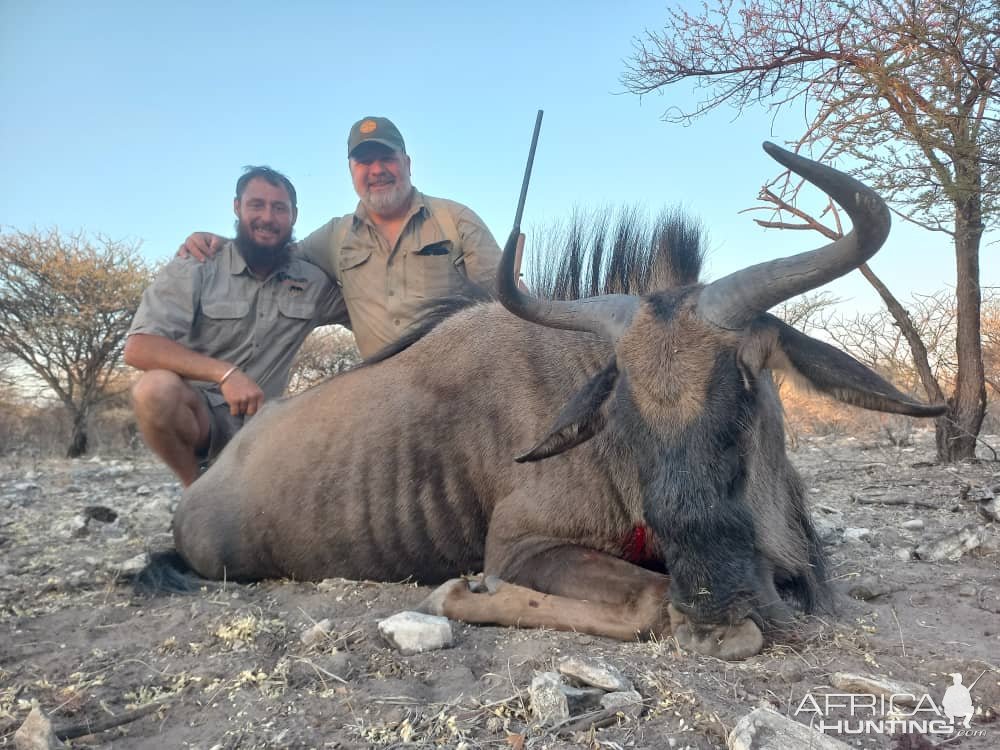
x=579, y=420
x=774, y=344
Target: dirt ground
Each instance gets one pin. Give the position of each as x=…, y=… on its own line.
x=227, y=668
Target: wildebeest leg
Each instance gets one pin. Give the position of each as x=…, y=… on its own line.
x=584, y=591
x=581, y=573
x=517, y=606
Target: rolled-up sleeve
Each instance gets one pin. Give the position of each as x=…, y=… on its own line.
x=480, y=252
x=168, y=305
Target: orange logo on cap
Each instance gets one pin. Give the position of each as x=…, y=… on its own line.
x=368, y=126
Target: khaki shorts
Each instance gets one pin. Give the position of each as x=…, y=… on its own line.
x=221, y=427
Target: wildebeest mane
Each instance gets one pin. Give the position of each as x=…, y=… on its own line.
x=623, y=252
x=602, y=252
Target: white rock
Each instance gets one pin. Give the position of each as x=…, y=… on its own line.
x=872, y=685
x=953, y=546
x=915, y=524
x=548, y=701
x=626, y=702
x=36, y=733
x=593, y=672
x=414, y=632
x=990, y=510
x=133, y=565
x=828, y=528
x=763, y=729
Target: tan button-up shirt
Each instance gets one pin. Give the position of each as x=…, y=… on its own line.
x=385, y=287
x=220, y=309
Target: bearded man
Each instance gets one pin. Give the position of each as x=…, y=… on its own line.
x=399, y=250
x=217, y=339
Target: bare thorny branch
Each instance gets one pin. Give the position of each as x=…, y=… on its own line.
x=907, y=92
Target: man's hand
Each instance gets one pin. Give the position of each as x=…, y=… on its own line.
x=201, y=246
x=242, y=394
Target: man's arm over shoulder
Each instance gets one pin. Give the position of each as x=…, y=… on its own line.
x=201, y=246
x=480, y=250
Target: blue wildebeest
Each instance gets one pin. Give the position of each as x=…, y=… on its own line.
x=657, y=437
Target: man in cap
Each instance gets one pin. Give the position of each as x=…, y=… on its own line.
x=217, y=339
x=399, y=249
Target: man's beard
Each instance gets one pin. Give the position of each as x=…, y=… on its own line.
x=387, y=202
x=260, y=257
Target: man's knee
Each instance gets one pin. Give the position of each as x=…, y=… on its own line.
x=159, y=393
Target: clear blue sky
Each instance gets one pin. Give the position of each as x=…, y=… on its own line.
x=135, y=119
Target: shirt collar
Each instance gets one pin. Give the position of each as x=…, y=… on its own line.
x=234, y=260
x=238, y=266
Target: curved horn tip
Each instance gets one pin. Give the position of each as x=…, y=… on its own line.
x=785, y=157
x=772, y=148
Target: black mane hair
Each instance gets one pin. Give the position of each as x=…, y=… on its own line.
x=597, y=253
x=621, y=252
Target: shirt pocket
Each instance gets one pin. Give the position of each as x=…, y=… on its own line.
x=226, y=309
x=224, y=326
x=433, y=272
x=355, y=262
x=301, y=309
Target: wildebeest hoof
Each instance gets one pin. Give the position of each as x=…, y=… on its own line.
x=729, y=642
x=434, y=604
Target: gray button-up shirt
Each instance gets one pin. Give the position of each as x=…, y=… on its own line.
x=220, y=309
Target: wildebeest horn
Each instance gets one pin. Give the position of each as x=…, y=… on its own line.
x=607, y=316
x=732, y=301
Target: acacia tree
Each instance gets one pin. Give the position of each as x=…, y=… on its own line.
x=905, y=89
x=66, y=304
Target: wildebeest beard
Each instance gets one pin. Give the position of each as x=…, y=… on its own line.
x=258, y=256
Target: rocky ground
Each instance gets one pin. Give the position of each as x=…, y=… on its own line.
x=914, y=555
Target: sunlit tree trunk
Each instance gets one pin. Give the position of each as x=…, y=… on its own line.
x=957, y=430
